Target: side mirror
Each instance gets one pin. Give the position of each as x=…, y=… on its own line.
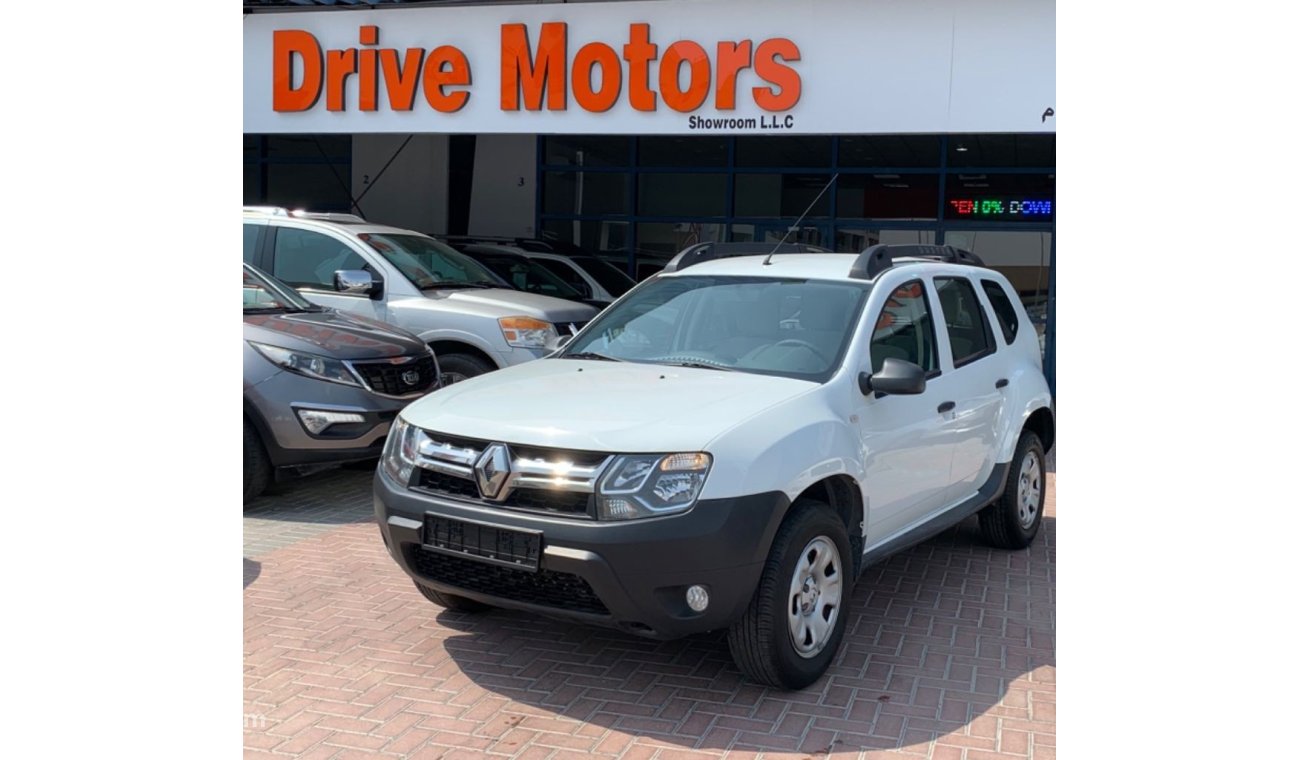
x=895, y=376
x=583, y=289
x=563, y=341
x=355, y=282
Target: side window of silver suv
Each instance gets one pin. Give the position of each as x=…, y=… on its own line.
x=251, y=238
x=307, y=259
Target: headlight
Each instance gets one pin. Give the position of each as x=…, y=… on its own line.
x=399, y=451
x=311, y=365
x=648, y=485
x=526, y=332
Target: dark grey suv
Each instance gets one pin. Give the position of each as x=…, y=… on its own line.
x=320, y=387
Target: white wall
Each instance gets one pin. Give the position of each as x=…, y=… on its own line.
x=412, y=192
x=877, y=67
x=504, y=196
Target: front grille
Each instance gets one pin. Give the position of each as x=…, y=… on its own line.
x=571, y=503
x=577, y=458
x=544, y=587
x=448, y=484
x=541, y=479
x=392, y=379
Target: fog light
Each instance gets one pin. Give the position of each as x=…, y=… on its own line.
x=697, y=598
x=316, y=420
x=616, y=509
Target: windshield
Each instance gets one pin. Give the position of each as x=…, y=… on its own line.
x=428, y=263
x=792, y=328
x=262, y=292
x=610, y=277
x=526, y=274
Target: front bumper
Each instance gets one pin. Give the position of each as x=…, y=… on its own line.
x=631, y=575
x=512, y=356
x=272, y=406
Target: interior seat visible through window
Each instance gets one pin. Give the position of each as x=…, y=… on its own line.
x=751, y=323
x=824, y=315
x=904, y=330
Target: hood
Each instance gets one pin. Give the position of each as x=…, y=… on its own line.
x=500, y=302
x=601, y=406
x=331, y=333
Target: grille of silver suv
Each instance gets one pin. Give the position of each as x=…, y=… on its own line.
x=555, y=481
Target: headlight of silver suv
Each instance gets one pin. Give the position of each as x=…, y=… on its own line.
x=649, y=485
x=526, y=332
x=311, y=365
x=398, y=459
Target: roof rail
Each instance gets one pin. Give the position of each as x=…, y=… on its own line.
x=272, y=210
x=876, y=259
x=529, y=244
x=480, y=238
x=702, y=252
x=324, y=216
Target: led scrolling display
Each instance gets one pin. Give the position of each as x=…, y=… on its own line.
x=998, y=208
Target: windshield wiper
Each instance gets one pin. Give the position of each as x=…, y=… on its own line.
x=445, y=285
x=284, y=308
x=592, y=355
x=699, y=365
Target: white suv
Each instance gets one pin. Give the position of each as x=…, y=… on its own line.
x=728, y=446
x=474, y=321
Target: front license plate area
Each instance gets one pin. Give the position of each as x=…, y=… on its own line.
x=493, y=544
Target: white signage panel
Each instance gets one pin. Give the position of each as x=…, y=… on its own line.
x=670, y=67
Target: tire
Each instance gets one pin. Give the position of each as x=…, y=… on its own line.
x=458, y=367
x=257, y=465
x=451, y=601
x=1012, y=521
x=762, y=641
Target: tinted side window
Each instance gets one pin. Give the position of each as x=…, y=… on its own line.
x=307, y=259
x=251, y=232
x=564, y=272
x=1003, y=308
x=968, y=330
x=905, y=330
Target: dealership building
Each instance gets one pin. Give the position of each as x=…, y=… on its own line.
x=633, y=129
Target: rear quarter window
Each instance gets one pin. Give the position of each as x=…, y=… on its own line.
x=1003, y=308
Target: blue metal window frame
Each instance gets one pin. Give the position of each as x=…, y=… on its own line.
x=939, y=226
x=263, y=161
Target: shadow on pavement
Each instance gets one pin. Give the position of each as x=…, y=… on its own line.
x=936, y=636
x=337, y=496
x=252, y=569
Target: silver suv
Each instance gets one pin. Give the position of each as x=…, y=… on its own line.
x=471, y=319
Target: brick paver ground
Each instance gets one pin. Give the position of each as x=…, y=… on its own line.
x=950, y=655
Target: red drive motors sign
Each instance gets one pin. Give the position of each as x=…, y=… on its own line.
x=823, y=66
x=541, y=76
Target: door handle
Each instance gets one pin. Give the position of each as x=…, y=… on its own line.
x=947, y=406
x=1000, y=384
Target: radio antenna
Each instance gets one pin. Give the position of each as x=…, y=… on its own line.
x=792, y=227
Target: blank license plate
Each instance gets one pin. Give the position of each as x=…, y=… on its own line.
x=493, y=544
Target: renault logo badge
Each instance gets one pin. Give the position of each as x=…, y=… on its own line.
x=492, y=470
